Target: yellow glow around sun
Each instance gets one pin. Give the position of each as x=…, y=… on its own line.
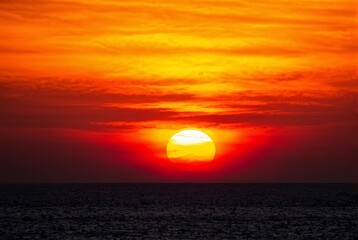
x=190, y=146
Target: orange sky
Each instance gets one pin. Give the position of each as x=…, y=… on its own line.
x=246, y=72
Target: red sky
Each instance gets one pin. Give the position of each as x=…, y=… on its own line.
x=91, y=91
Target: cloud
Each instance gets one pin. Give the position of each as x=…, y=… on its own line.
x=184, y=61
x=96, y=105
x=111, y=38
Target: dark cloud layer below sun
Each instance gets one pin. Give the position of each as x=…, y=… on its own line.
x=50, y=107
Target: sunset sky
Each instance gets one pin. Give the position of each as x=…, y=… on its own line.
x=91, y=91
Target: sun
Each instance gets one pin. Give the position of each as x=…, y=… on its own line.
x=190, y=146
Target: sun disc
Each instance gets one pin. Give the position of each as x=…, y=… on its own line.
x=188, y=146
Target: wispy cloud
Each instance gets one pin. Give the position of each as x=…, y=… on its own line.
x=81, y=63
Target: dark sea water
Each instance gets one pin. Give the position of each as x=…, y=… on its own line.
x=179, y=211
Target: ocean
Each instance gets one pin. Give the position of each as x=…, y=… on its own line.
x=178, y=211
